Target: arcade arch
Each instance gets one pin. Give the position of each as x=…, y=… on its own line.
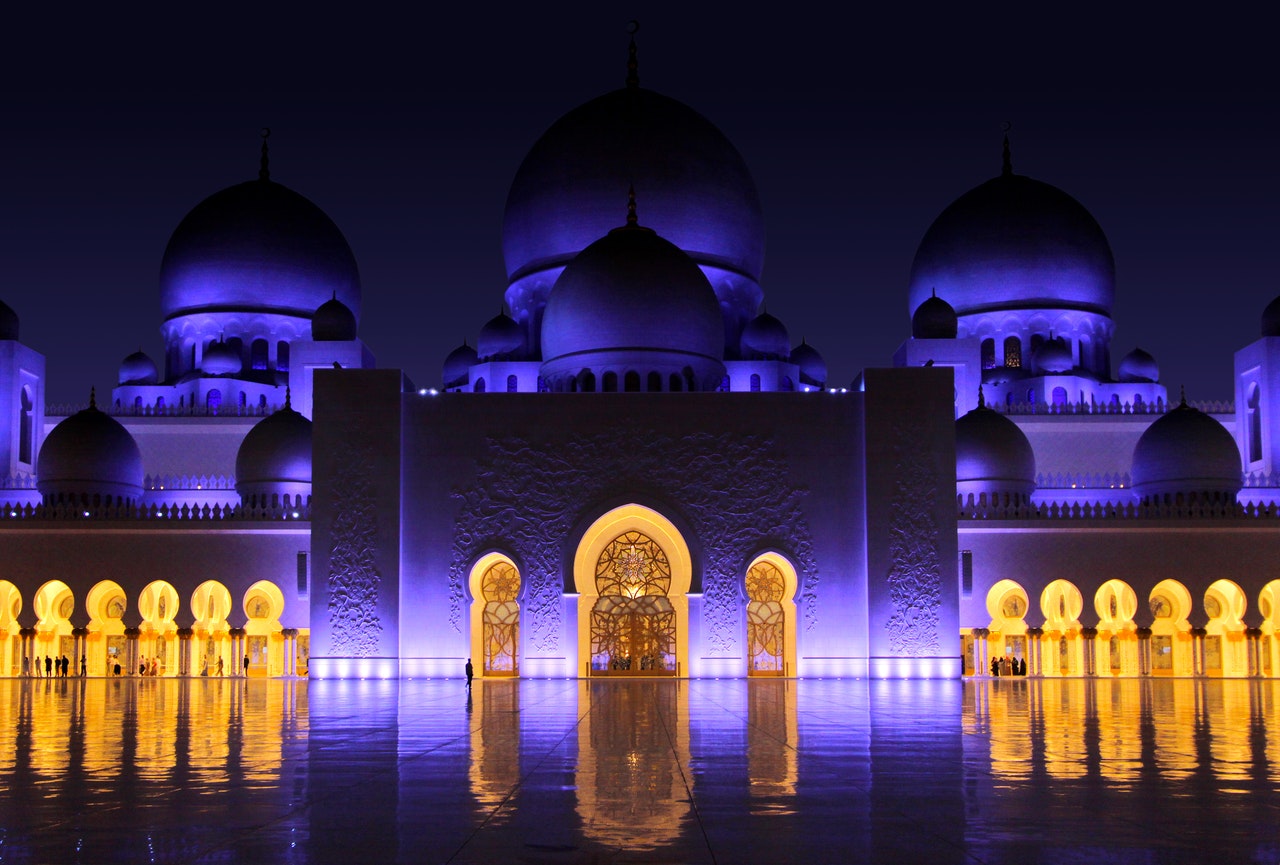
x=263, y=606
x=495, y=616
x=107, y=645
x=1171, y=653
x=1268, y=645
x=771, y=616
x=54, y=603
x=1116, y=645
x=1063, y=643
x=211, y=649
x=1007, y=604
x=158, y=605
x=11, y=645
x=632, y=571
x=1225, y=651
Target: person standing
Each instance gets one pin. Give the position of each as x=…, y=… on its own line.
x=246, y=666
x=219, y=665
x=48, y=666
x=84, y=666
x=471, y=671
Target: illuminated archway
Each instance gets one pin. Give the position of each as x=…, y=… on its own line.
x=1225, y=651
x=211, y=644
x=1170, y=631
x=1007, y=604
x=771, y=616
x=632, y=571
x=263, y=606
x=11, y=650
x=495, y=616
x=1268, y=644
x=107, y=645
x=158, y=605
x=1116, y=646
x=54, y=603
x=1062, y=643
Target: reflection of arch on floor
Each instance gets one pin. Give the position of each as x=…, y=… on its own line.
x=211, y=643
x=106, y=645
x=770, y=586
x=54, y=603
x=1116, y=646
x=1062, y=645
x=1225, y=652
x=1268, y=643
x=495, y=616
x=1007, y=605
x=158, y=605
x=1171, y=652
x=11, y=650
x=264, y=642
x=613, y=590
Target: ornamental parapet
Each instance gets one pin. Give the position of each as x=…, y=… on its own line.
x=188, y=482
x=1083, y=481
x=969, y=509
x=1110, y=409
x=197, y=410
x=299, y=511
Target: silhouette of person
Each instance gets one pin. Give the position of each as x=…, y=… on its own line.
x=48, y=666
x=66, y=666
x=26, y=666
x=219, y=665
x=470, y=673
x=246, y=666
x=84, y=666
x=995, y=666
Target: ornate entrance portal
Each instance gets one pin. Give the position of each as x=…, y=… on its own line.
x=633, y=624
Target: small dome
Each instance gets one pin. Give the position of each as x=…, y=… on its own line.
x=1186, y=452
x=934, y=319
x=275, y=458
x=256, y=247
x=813, y=369
x=1138, y=366
x=89, y=458
x=8, y=322
x=993, y=456
x=1053, y=356
x=500, y=339
x=765, y=338
x=457, y=366
x=221, y=359
x=138, y=368
x=333, y=322
x=633, y=293
x=1270, y=319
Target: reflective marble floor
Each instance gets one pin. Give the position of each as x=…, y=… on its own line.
x=639, y=771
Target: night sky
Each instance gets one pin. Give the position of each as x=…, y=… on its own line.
x=858, y=130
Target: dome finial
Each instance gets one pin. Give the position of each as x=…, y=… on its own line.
x=264, y=173
x=1006, y=169
x=633, y=65
x=982, y=401
x=288, y=398
x=93, y=399
x=632, y=219
x=1183, y=394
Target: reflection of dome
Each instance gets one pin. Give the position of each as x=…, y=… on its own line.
x=813, y=369
x=221, y=359
x=1186, y=452
x=934, y=319
x=501, y=337
x=1015, y=243
x=695, y=185
x=1137, y=366
x=765, y=338
x=638, y=298
x=457, y=366
x=1053, y=356
x=138, y=368
x=275, y=458
x=89, y=458
x=8, y=322
x=333, y=322
x=993, y=456
x=260, y=247
x=1271, y=319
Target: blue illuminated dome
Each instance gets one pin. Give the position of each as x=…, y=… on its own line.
x=257, y=247
x=333, y=322
x=1053, y=356
x=274, y=459
x=89, y=458
x=1271, y=319
x=1138, y=366
x=457, y=366
x=221, y=359
x=765, y=338
x=501, y=338
x=1014, y=243
x=138, y=368
x=993, y=456
x=8, y=322
x=934, y=319
x=813, y=368
x=1189, y=454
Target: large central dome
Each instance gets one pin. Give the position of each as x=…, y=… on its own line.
x=1015, y=243
x=697, y=191
x=257, y=247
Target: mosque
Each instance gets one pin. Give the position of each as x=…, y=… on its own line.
x=635, y=471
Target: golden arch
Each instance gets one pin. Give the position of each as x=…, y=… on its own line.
x=263, y=605
x=106, y=646
x=1268, y=645
x=1062, y=643
x=54, y=603
x=1171, y=653
x=211, y=649
x=495, y=616
x=1225, y=651
x=1116, y=645
x=771, y=616
x=11, y=649
x=1007, y=604
x=158, y=603
x=598, y=536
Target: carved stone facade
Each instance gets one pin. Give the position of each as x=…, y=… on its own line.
x=353, y=580
x=915, y=580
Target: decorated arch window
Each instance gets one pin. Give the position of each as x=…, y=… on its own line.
x=633, y=624
x=500, y=588
x=766, y=620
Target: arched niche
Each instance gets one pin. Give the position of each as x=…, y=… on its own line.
x=770, y=587
x=496, y=587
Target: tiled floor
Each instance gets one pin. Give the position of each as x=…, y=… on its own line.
x=639, y=771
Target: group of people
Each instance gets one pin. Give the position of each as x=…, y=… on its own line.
x=50, y=667
x=149, y=668
x=1008, y=667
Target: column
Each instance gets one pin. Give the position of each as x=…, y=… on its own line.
x=81, y=636
x=981, y=663
x=1144, y=651
x=1253, y=643
x=1197, y=651
x=290, y=651
x=131, y=650
x=184, y=651
x=1090, y=636
x=27, y=647
x=1034, y=651
x=237, y=652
